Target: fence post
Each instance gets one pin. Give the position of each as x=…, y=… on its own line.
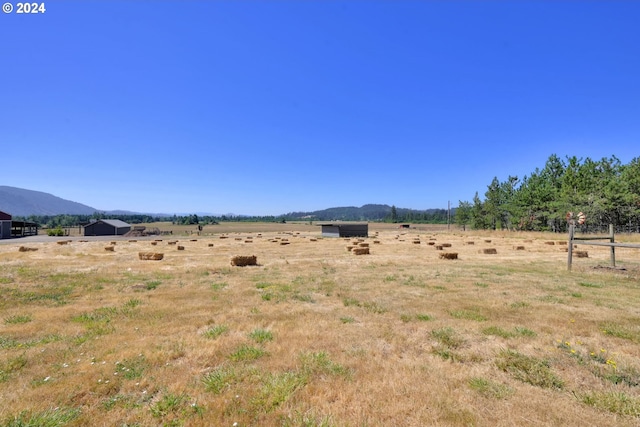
x=613, y=249
x=570, y=247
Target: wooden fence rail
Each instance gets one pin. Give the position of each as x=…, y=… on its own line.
x=587, y=241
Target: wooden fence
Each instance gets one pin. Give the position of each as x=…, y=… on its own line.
x=588, y=241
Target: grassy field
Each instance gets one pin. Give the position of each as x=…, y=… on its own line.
x=317, y=336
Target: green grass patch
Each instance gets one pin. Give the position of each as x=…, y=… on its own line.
x=220, y=379
x=615, y=402
x=48, y=418
x=468, y=315
x=246, y=353
x=261, y=335
x=277, y=389
x=215, y=331
x=528, y=369
x=589, y=285
x=17, y=319
x=490, y=389
x=620, y=331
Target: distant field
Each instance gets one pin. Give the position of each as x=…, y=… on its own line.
x=315, y=335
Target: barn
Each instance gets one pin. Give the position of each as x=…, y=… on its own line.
x=5, y=225
x=345, y=230
x=106, y=227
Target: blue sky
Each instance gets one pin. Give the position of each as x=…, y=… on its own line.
x=267, y=107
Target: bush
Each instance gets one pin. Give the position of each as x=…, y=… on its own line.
x=55, y=231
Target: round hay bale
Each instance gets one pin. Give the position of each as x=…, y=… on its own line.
x=109, y=248
x=490, y=251
x=446, y=245
x=62, y=242
x=154, y=243
x=376, y=242
x=416, y=242
x=132, y=241
x=181, y=248
x=283, y=243
x=470, y=243
x=487, y=240
x=563, y=242
x=550, y=243
x=112, y=243
x=361, y=250
x=349, y=248
x=431, y=243
x=172, y=243
x=449, y=255
x=313, y=240
x=238, y=238
x=519, y=248
x=439, y=247
x=581, y=254
x=244, y=260
x=193, y=240
x=150, y=256
x=210, y=245
x=26, y=249
x=248, y=241
x=224, y=237
x=363, y=245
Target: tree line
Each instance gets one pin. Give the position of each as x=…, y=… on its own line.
x=605, y=190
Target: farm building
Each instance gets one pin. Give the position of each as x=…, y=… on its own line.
x=10, y=228
x=106, y=227
x=5, y=225
x=345, y=230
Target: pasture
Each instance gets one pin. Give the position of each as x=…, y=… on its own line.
x=315, y=335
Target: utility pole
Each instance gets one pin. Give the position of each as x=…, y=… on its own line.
x=448, y=215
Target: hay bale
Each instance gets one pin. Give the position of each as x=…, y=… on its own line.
x=313, y=240
x=224, y=237
x=439, y=247
x=243, y=260
x=416, y=242
x=376, y=242
x=238, y=238
x=490, y=251
x=431, y=243
x=445, y=245
x=154, y=243
x=361, y=250
x=181, y=248
x=109, y=248
x=550, y=243
x=26, y=249
x=449, y=255
x=172, y=243
x=528, y=241
x=349, y=248
x=158, y=240
x=150, y=256
x=519, y=248
x=581, y=254
x=470, y=243
x=248, y=241
x=283, y=243
x=112, y=243
x=62, y=242
x=210, y=245
x=193, y=240
x=132, y=241
x=487, y=240
x=563, y=242
x=363, y=245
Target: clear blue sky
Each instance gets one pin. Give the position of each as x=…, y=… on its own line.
x=266, y=107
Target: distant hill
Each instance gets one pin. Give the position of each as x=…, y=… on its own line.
x=21, y=202
x=370, y=212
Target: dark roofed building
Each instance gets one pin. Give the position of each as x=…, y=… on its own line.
x=345, y=230
x=106, y=227
x=5, y=225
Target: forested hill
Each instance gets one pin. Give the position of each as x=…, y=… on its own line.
x=606, y=191
x=371, y=212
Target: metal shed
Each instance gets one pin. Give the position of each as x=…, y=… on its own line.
x=345, y=230
x=5, y=225
x=106, y=227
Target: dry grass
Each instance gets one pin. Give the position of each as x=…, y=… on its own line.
x=315, y=336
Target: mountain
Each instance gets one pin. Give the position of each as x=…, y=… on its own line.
x=21, y=202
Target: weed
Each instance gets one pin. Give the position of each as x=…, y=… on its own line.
x=277, y=389
x=489, y=388
x=424, y=317
x=481, y=285
x=320, y=363
x=48, y=418
x=528, y=369
x=12, y=365
x=347, y=319
x=447, y=337
x=153, y=284
x=219, y=286
x=348, y=302
x=215, y=331
x=375, y=307
x=132, y=368
x=589, y=285
x=246, y=353
x=261, y=335
x=497, y=331
x=468, y=315
x=219, y=379
x=16, y=319
x=615, y=402
x=169, y=403
x=519, y=304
